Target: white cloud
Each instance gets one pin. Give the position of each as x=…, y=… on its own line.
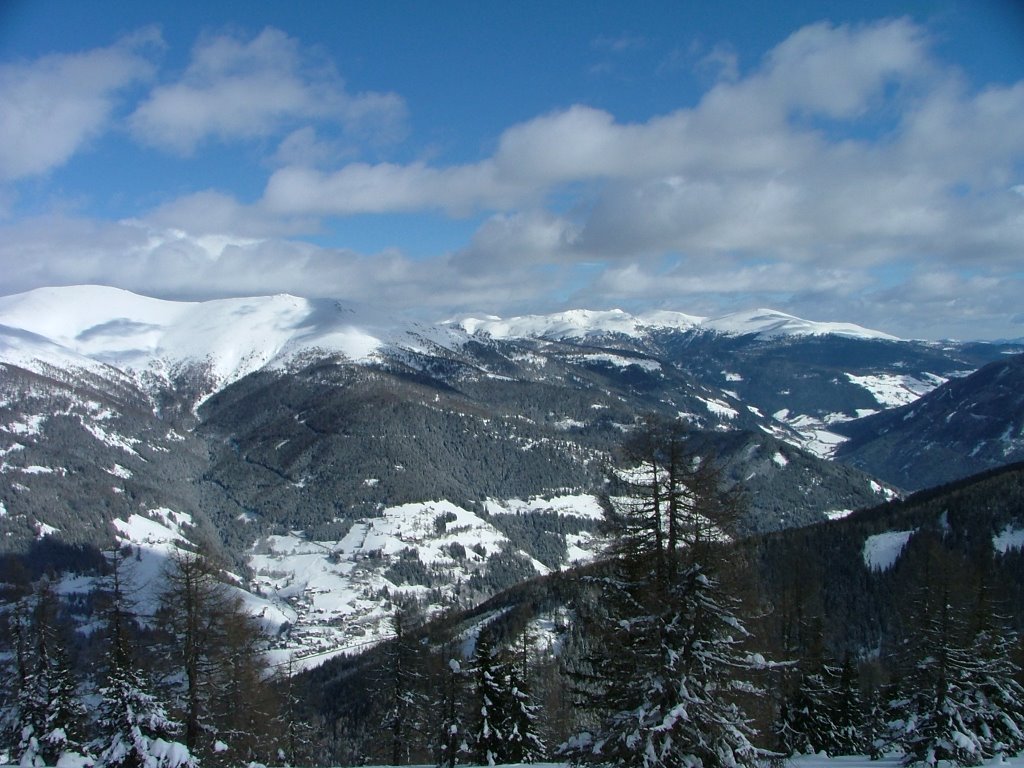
x=243, y=89
x=54, y=105
x=388, y=187
x=816, y=183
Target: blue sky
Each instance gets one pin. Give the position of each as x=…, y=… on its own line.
x=854, y=161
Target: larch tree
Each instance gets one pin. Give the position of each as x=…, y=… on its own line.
x=674, y=666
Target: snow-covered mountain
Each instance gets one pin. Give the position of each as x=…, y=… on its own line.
x=231, y=338
x=226, y=339
x=580, y=324
x=963, y=427
x=281, y=427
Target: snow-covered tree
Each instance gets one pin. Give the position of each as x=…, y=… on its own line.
x=679, y=708
x=805, y=722
x=522, y=726
x=133, y=727
x=452, y=733
x=999, y=697
x=671, y=660
x=48, y=717
x=489, y=736
x=939, y=714
x=824, y=714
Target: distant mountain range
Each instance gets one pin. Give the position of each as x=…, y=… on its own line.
x=280, y=427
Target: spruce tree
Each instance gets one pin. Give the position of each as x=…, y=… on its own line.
x=998, y=694
x=823, y=714
x=134, y=729
x=452, y=731
x=941, y=710
x=524, y=742
x=489, y=735
x=49, y=716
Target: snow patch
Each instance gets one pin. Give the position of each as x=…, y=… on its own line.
x=1011, y=537
x=882, y=550
x=891, y=391
x=719, y=408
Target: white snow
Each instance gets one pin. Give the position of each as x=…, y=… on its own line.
x=779, y=459
x=838, y=514
x=769, y=323
x=892, y=390
x=576, y=324
x=813, y=433
x=882, y=550
x=719, y=407
x=42, y=529
x=118, y=471
x=31, y=425
x=1011, y=537
x=581, y=505
x=94, y=327
x=619, y=361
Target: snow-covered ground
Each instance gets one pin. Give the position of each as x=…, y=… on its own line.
x=336, y=593
x=891, y=391
x=807, y=761
x=577, y=324
x=803, y=761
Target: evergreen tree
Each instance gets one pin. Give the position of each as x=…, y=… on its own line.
x=489, y=736
x=452, y=731
x=823, y=714
x=999, y=696
x=134, y=729
x=941, y=710
x=405, y=703
x=805, y=724
x=849, y=718
x=190, y=603
x=296, y=748
x=27, y=719
x=48, y=718
x=524, y=742
x=673, y=665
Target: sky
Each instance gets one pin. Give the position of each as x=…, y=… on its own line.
x=841, y=161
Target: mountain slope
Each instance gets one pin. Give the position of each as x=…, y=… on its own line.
x=965, y=426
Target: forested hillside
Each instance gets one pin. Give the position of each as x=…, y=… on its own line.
x=842, y=625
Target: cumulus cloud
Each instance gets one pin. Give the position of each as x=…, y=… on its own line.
x=235, y=88
x=388, y=187
x=829, y=180
x=54, y=105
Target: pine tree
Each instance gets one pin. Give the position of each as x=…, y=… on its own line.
x=849, y=717
x=805, y=726
x=192, y=597
x=27, y=721
x=134, y=729
x=403, y=718
x=823, y=714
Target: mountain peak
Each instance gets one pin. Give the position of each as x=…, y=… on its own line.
x=580, y=323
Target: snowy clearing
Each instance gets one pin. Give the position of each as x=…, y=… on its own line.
x=882, y=550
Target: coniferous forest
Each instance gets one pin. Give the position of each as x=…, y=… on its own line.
x=687, y=645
